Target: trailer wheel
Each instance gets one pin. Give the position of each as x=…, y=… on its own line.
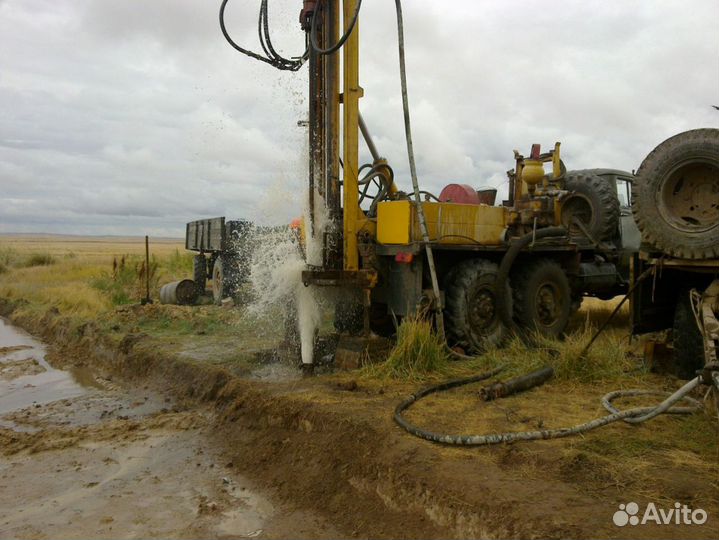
x=675, y=197
x=593, y=201
x=688, y=342
x=199, y=272
x=542, y=297
x=471, y=313
x=224, y=279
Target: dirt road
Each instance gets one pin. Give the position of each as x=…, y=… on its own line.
x=85, y=457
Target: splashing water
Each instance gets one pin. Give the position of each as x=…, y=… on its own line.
x=276, y=277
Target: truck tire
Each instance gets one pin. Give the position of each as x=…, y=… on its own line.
x=199, y=272
x=471, y=314
x=687, y=339
x=224, y=279
x=675, y=197
x=542, y=297
x=593, y=200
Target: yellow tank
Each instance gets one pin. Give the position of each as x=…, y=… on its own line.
x=447, y=223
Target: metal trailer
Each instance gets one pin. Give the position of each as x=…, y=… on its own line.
x=222, y=249
x=675, y=275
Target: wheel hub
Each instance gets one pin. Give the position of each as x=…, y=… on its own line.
x=483, y=309
x=548, y=304
x=689, y=197
x=579, y=208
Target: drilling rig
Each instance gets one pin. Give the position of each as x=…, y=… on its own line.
x=483, y=269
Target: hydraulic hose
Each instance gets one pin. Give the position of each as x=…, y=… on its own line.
x=503, y=301
x=337, y=46
x=635, y=415
x=272, y=57
x=650, y=412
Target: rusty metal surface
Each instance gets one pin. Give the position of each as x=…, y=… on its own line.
x=205, y=235
x=487, y=196
x=708, y=310
x=365, y=279
x=696, y=265
x=183, y=293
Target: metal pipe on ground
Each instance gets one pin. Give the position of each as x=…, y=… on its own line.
x=182, y=293
x=517, y=384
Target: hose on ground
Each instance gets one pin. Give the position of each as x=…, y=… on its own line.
x=634, y=415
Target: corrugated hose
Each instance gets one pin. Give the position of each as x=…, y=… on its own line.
x=634, y=415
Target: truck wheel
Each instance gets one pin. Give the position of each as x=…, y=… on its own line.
x=224, y=280
x=199, y=272
x=542, y=297
x=471, y=313
x=594, y=202
x=688, y=341
x=675, y=197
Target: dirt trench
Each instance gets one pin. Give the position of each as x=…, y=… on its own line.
x=336, y=453
x=85, y=456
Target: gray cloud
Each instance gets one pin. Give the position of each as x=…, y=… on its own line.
x=133, y=117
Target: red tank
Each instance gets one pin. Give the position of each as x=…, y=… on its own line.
x=460, y=194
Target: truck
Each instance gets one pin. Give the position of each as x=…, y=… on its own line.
x=675, y=285
x=482, y=269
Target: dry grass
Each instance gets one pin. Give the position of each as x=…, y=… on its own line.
x=668, y=459
x=75, y=274
x=419, y=352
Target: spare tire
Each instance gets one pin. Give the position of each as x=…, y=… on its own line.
x=593, y=201
x=675, y=197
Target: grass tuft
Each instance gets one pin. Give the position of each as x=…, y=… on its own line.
x=418, y=352
x=607, y=360
x=39, y=259
x=126, y=283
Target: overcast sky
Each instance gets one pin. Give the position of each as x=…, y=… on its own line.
x=135, y=116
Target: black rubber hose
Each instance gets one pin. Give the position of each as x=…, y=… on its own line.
x=503, y=302
x=337, y=46
x=277, y=61
x=407, y=403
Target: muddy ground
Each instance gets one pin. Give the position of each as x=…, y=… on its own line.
x=87, y=457
x=145, y=452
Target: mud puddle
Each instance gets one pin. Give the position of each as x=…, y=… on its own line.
x=84, y=457
x=25, y=376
